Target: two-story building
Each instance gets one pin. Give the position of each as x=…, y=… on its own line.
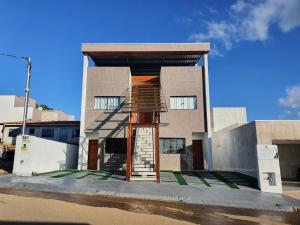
x=145, y=108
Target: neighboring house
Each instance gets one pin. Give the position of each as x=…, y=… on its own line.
x=12, y=109
x=62, y=131
x=52, y=115
x=267, y=150
x=145, y=108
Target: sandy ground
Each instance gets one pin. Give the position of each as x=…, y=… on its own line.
x=28, y=209
x=293, y=194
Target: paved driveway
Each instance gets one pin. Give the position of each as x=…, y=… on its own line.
x=214, y=179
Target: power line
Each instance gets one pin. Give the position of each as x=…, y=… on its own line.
x=14, y=56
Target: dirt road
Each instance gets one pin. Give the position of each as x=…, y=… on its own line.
x=41, y=207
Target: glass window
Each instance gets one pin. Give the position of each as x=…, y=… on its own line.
x=31, y=131
x=101, y=102
x=172, y=145
x=47, y=132
x=75, y=132
x=183, y=102
x=14, y=132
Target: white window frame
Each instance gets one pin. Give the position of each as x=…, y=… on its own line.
x=183, y=102
x=107, y=102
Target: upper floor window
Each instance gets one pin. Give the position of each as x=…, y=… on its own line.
x=105, y=102
x=47, y=132
x=183, y=102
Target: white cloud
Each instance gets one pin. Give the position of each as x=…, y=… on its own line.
x=251, y=21
x=220, y=30
x=239, y=6
x=292, y=97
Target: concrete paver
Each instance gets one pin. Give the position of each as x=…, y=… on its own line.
x=201, y=178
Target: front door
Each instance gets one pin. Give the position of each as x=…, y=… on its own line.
x=93, y=155
x=198, y=155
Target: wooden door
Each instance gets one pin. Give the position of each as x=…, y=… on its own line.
x=93, y=155
x=198, y=155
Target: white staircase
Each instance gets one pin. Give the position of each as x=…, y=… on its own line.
x=143, y=158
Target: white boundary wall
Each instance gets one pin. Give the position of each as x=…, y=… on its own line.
x=237, y=149
x=42, y=155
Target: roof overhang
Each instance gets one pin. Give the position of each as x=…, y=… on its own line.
x=181, y=54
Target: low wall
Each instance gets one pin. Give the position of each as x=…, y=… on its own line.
x=42, y=155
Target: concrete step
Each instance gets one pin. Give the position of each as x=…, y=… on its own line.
x=143, y=153
x=143, y=158
x=143, y=145
x=143, y=148
x=146, y=158
x=143, y=162
x=143, y=165
x=145, y=174
x=141, y=178
x=142, y=169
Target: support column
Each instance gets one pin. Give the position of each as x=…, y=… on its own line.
x=208, y=141
x=157, y=153
x=129, y=154
x=83, y=142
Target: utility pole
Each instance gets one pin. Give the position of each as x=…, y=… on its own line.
x=27, y=88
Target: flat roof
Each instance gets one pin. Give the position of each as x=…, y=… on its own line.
x=138, y=48
x=149, y=54
x=39, y=123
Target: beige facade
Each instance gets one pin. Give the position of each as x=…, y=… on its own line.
x=107, y=79
x=182, y=81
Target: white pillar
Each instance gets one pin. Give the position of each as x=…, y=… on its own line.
x=83, y=142
x=208, y=144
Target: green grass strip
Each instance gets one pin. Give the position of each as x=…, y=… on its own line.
x=99, y=175
x=179, y=178
x=106, y=176
x=83, y=176
x=225, y=180
x=65, y=174
x=202, y=179
x=249, y=179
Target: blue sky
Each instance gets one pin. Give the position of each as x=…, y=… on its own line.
x=254, y=62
